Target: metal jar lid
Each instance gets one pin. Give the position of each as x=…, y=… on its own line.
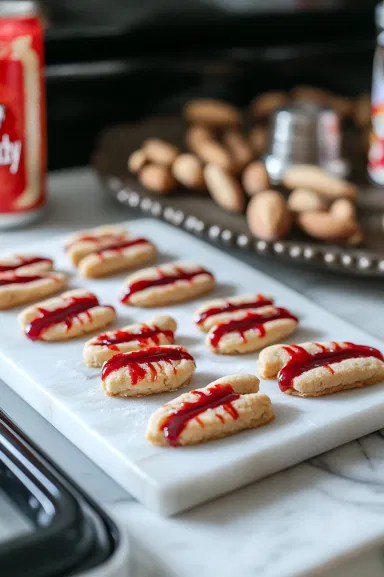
x=18, y=8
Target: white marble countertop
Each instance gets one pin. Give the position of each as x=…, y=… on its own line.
x=282, y=526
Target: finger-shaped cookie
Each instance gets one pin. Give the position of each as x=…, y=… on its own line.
x=221, y=310
x=17, y=288
x=79, y=244
x=147, y=371
x=72, y=314
x=167, y=284
x=315, y=369
x=115, y=256
x=159, y=331
x=25, y=264
x=252, y=332
x=226, y=406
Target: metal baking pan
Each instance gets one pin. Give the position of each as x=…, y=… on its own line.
x=200, y=216
x=60, y=531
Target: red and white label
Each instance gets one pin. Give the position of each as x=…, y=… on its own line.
x=22, y=116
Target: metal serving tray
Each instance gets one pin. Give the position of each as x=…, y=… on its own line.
x=200, y=216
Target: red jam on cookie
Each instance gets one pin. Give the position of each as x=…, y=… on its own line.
x=250, y=321
x=228, y=307
x=142, y=336
x=215, y=396
x=95, y=238
x=20, y=279
x=24, y=261
x=134, y=361
x=302, y=361
x=121, y=245
x=162, y=280
x=66, y=313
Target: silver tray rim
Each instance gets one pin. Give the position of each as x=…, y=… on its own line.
x=347, y=261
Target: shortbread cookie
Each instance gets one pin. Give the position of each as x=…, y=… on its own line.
x=315, y=369
x=159, y=331
x=167, y=284
x=147, y=371
x=251, y=332
x=29, y=264
x=128, y=253
x=221, y=310
x=72, y=314
x=18, y=288
x=226, y=406
x=107, y=250
x=79, y=244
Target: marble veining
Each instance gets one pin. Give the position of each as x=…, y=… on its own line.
x=288, y=524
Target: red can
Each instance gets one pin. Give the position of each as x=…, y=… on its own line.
x=23, y=147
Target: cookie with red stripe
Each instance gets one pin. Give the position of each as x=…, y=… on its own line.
x=251, y=331
x=17, y=288
x=107, y=250
x=148, y=371
x=29, y=264
x=81, y=243
x=72, y=314
x=159, y=331
x=225, y=407
x=170, y=283
x=231, y=308
x=315, y=369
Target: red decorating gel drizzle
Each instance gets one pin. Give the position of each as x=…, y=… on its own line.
x=164, y=279
x=134, y=360
x=119, y=246
x=215, y=396
x=20, y=279
x=142, y=336
x=250, y=321
x=324, y=349
x=66, y=313
x=95, y=238
x=24, y=261
x=260, y=301
x=302, y=361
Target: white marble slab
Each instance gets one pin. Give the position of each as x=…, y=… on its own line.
x=353, y=478
x=110, y=431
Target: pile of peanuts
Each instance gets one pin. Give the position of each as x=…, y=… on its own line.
x=223, y=160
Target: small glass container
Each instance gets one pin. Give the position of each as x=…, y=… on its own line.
x=305, y=134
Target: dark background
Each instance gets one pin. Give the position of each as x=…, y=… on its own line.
x=119, y=61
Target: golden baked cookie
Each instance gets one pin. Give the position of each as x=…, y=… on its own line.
x=126, y=254
x=314, y=369
x=29, y=264
x=167, y=284
x=17, y=288
x=252, y=331
x=148, y=371
x=107, y=250
x=159, y=331
x=219, y=310
x=226, y=406
x=81, y=243
x=72, y=314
